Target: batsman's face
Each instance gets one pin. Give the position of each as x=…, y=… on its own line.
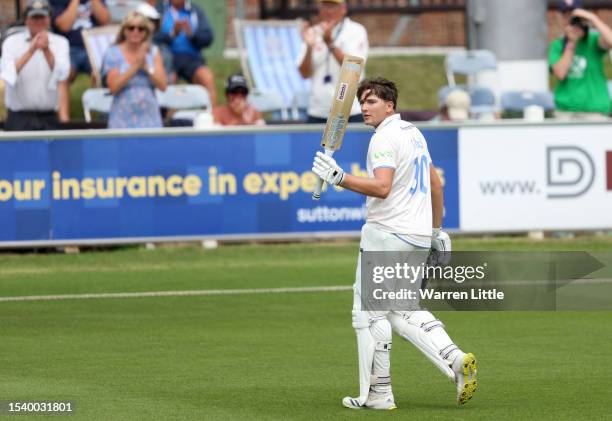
x=374, y=109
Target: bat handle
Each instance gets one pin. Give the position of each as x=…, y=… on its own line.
x=317, y=192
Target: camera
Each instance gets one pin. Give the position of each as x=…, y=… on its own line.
x=580, y=23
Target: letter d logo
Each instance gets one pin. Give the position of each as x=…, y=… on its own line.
x=570, y=171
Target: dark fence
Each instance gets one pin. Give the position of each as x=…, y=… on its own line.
x=291, y=9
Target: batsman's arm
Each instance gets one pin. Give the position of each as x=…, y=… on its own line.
x=437, y=197
x=379, y=186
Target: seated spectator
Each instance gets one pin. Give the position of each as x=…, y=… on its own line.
x=237, y=112
x=455, y=106
x=70, y=17
x=34, y=64
x=151, y=13
x=186, y=30
x=132, y=69
x=577, y=62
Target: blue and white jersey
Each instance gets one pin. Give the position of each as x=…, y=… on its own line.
x=400, y=145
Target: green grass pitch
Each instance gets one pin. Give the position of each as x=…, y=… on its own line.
x=273, y=356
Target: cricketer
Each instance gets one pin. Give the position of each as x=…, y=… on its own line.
x=404, y=208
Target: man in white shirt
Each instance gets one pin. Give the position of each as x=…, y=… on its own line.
x=404, y=201
x=325, y=45
x=34, y=64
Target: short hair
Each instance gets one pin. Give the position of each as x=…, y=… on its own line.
x=383, y=88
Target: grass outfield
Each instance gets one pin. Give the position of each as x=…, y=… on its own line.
x=272, y=356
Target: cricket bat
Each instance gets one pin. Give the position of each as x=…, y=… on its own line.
x=350, y=73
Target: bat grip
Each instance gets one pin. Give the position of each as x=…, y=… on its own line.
x=317, y=192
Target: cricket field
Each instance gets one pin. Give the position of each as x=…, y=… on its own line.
x=247, y=332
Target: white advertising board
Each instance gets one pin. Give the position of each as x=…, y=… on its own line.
x=535, y=178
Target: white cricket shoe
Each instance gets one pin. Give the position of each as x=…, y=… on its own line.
x=386, y=403
x=465, y=377
x=351, y=403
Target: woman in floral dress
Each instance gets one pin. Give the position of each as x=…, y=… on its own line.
x=132, y=69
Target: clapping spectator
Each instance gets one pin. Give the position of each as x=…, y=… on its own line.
x=325, y=45
x=151, y=13
x=70, y=17
x=34, y=64
x=186, y=30
x=576, y=60
x=237, y=112
x=132, y=69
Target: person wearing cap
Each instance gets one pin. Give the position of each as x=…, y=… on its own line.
x=237, y=112
x=34, y=65
x=454, y=106
x=577, y=62
x=186, y=31
x=325, y=45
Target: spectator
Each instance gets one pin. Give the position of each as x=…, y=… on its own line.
x=454, y=106
x=325, y=46
x=185, y=29
x=34, y=64
x=576, y=61
x=151, y=13
x=71, y=17
x=132, y=69
x=237, y=112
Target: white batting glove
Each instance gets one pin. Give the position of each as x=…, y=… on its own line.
x=325, y=167
x=441, y=247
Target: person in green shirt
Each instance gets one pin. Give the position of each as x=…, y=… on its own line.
x=576, y=60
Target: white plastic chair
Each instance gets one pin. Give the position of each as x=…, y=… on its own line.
x=468, y=62
x=268, y=101
x=189, y=100
x=518, y=100
x=118, y=9
x=268, y=53
x=96, y=99
x=483, y=102
x=299, y=107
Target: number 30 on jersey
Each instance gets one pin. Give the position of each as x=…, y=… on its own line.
x=421, y=176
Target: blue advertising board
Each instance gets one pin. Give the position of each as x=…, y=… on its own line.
x=186, y=185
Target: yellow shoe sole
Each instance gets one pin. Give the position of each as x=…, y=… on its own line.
x=469, y=379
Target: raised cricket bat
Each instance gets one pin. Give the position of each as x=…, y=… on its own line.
x=350, y=73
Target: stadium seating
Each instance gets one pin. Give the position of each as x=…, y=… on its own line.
x=469, y=63
x=300, y=105
x=268, y=54
x=96, y=99
x=482, y=100
x=189, y=100
x=269, y=101
x=118, y=9
x=97, y=40
x=515, y=102
x=483, y=103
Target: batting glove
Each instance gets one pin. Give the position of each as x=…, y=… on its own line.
x=441, y=247
x=325, y=167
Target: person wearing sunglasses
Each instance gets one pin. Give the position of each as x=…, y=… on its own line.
x=132, y=69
